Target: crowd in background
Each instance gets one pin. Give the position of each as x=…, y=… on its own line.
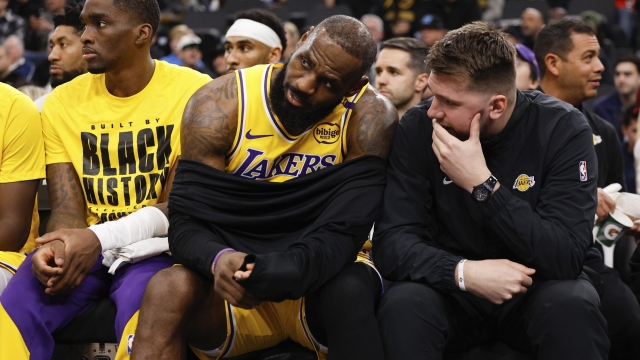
x=34, y=37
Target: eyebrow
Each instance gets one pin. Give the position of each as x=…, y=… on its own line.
x=240, y=42
x=59, y=38
x=442, y=96
x=97, y=16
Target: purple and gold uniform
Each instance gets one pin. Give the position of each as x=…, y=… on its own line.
x=21, y=158
x=122, y=150
x=263, y=150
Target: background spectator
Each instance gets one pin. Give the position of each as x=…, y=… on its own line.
x=41, y=23
x=454, y=13
x=401, y=72
x=400, y=16
x=527, y=70
x=491, y=9
x=432, y=29
x=10, y=23
x=293, y=35
x=15, y=47
x=175, y=34
x=532, y=21
x=190, y=53
x=629, y=130
x=376, y=26
x=7, y=76
x=626, y=80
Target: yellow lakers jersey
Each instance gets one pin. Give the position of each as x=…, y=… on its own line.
x=264, y=150
x=121, y=148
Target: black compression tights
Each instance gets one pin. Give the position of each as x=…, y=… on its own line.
x=341, y=314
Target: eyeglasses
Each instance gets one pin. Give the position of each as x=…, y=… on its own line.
x=191, y=47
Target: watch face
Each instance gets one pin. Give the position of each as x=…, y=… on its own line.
x=481, y=193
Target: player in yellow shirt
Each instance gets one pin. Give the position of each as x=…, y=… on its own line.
x=111, y=140
x=21, y=166
x=281, y=178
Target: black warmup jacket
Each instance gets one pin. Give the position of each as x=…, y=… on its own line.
x=301, y=232
x=428, y=224
x=608, y=150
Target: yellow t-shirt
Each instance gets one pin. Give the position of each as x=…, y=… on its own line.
x=22, y=146
x=121, y=148
x=264, y=150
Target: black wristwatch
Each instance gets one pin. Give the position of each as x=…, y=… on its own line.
x=483, y=191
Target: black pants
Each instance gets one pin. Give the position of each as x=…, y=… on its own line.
x=554, y=320
x=622, y=312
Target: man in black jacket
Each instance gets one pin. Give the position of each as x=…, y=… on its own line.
x=570, y=70
x=486, y=227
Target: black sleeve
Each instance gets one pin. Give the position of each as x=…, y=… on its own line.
x=192, y=243
x=400, y=248
x=552, y=238
x=337, y=236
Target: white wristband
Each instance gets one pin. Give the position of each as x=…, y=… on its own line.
x=143, y=224
x=461, y=275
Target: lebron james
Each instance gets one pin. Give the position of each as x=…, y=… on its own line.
x=281, y=178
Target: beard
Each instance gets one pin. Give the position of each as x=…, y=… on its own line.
x=295, y=119
x=66, y=77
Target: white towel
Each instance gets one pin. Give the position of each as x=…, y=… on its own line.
x=134, y=253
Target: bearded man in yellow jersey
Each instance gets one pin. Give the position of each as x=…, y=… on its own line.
x=111, y=140
x=21, y=167
x=281, y=179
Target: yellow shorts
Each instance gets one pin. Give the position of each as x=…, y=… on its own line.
x=11, y=260
x=268, y=325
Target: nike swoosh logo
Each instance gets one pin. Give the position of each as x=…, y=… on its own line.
x=251, y=137
x=446, y=182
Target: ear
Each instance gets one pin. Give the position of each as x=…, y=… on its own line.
x=144, y=34
x=358, y=86
x=553, y=64
x=275, y=54
x=421, y=82
x=498, y=106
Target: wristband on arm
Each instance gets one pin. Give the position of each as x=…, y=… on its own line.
x=215, y=260
x=461, y=275
x=143, y=224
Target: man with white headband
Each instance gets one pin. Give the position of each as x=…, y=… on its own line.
x=256, y=37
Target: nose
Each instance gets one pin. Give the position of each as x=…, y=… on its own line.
x=381, y=79
x=86, y=37
x=231, y=58
x=434, y=111
x=598, y=67
x=54, y=55
x=307, y=84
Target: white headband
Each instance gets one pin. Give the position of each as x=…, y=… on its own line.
x=255, y=30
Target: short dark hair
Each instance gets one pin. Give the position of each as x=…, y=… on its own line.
x=479, y=53
x=629, y=58
x=631, y=114
x=147, y=11
x=71, y=17
x=556, y=39
x=417, y=50
x=353, y=37
x=267, y=18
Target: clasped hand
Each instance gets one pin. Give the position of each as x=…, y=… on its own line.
x=65, y=259
x=496, y=280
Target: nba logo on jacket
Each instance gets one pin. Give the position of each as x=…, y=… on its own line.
x=583, y=171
